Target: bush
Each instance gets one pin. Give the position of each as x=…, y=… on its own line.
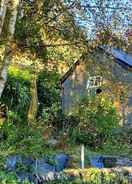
x=10, y=178
x=98, y=118
x=48, y=96
x=122, y=135
x=16, y=94
x=119, y=143
x=23, y=140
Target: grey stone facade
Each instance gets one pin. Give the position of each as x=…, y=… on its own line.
x=97, y=63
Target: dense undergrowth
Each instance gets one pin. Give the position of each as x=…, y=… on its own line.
x=47, y=35
x=17, y=137
x=97, y=121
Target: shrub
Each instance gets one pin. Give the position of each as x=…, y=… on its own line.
x=23, y=140
x=48, y=96
x=10, y=178
x=16, y=94
x=97, y=117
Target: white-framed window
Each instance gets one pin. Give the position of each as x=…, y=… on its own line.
x=93, y=83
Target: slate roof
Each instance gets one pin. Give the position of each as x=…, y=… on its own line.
x=119, y=55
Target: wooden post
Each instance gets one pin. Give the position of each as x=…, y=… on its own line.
x=82, y=156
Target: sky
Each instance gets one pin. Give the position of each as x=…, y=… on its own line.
x=116, y=14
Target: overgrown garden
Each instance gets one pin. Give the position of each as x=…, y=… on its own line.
x=39, y=42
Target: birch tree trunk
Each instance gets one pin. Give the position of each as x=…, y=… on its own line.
x=3, y=8
x=13, y=8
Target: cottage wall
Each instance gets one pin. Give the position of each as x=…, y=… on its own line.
x=128, y=118
x=74, y=86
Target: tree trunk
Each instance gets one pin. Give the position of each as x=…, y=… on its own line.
x=13, y=8
x=3, y=8
x=34, y=101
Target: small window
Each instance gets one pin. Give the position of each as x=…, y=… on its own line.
x=94, y=83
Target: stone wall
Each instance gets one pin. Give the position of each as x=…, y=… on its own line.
x=98, y=63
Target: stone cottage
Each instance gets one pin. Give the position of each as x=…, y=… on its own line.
x=104, y=70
